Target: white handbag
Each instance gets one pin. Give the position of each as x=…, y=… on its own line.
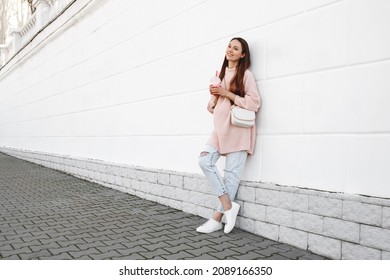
x=242, y=117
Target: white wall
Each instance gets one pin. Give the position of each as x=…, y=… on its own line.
x=126, y=82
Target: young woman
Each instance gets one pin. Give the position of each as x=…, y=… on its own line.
x=238, y=87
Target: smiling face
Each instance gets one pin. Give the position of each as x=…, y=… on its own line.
x=234, y=53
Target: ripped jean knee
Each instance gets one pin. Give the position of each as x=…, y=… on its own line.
x=208, y=157
x=204, y=160
x=207, y=162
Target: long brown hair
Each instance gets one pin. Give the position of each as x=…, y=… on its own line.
x=237, y=84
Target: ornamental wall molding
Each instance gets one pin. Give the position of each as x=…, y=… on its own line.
x=45, y=11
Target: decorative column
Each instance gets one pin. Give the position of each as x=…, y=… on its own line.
x=42, y=12
x=16, y=41
x=4, y=52
x=57, y=6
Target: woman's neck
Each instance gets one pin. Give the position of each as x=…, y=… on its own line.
x=232, y=64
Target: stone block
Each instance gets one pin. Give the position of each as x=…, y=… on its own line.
x=126, y=182
x=76, y=163
x=266, y=230
x=176, y=180
x=357, y=252
x=176, y=204
x=139, y=186
x=66, y=161
x=123, y=170
x=167, y=191
x=279, y=216
x=340, y=229
x=111, y=179
x=253, y=211
x=162, y=200
x=130, y=191
x=324, y=246
x=65, y=168
x=204, y=212
x=196, y=184
x=156, y=189
x=324, y=206
x=245, y=224
x=362, y=213
x=197, y=198
x=109, y=169
x=151, y=197
x=129, y=173
x=246, y=194
x=105, y=178
x=182, y=194
x=293, y=201
x=146, y=176
x=86, y=172
x=117, y=170
x=386, y=217
x=147, y=187
x=163, y=178
x=94, y=166
x=293, y=237
x=267, y=197
x=210, y=201
x=281, y=199
x=102, y=168
x=188, y=208
x=97, y=176
x=385, y=255
x=118, y=180
x=307, y=222
x=375, y=237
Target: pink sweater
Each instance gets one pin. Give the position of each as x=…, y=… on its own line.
x=227, y=138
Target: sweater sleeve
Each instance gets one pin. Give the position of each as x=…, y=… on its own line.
x=212, y=102
x=251, y=101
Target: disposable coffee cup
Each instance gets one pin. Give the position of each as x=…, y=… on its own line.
x=215, y=81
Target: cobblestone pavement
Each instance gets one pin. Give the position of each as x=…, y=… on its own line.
x=47, y=214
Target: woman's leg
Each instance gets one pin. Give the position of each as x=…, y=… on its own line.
x=224, y=203
x=235, y=164
x=207, y=160
x=225, y=189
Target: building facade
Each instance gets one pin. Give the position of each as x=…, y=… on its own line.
x=116, y=91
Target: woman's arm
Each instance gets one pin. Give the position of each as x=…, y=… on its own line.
x=212, y=102
x=251, y=101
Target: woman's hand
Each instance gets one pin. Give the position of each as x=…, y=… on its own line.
x=220, y=91
x=217, y=91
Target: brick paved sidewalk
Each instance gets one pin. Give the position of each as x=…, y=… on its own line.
x=47, y=214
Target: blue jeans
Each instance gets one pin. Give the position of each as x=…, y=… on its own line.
x=235, y=163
